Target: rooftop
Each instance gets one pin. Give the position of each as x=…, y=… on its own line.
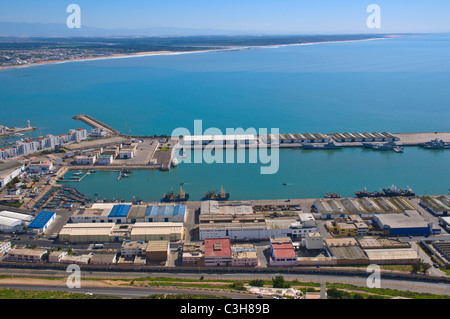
x=41, y=219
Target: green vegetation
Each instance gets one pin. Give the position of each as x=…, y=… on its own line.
x=16, y=205
x=238, y=286
x=10, y=293
x=257, y=283
x=340, y=294
x=279, y=282
x=164, y=149
x=12, y=183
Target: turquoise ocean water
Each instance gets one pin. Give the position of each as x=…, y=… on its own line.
x=396, y=85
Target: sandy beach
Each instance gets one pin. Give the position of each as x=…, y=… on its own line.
x=149, y=53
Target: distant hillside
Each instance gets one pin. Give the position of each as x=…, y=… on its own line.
x=19, y=29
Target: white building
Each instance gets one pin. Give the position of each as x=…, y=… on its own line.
x=98, y=133
x=9, y=170
x=105, y=160
x=85, y=159
x=40, y=166
x=245, y=139
x=314, y=241
x=24, y=218
x=77, y=135
x=9, y=225
x=5, y=247
x=56, y=256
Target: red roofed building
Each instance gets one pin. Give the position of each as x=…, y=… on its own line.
x=283, y=252
x=217, y=252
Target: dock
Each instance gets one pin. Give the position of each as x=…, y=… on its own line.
x=89, y=120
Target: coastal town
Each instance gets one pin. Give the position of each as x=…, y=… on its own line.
x=45, y=221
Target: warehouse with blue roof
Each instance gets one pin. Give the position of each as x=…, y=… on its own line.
x=166, y=213
x=41, y=222
x=119, y=213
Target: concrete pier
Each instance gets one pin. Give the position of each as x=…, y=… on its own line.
x=97, y=124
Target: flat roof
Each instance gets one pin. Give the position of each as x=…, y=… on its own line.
x=166, y=210
x=24, y=217
x=217, y=247
x=11, y=222
x=120, y=210
x=408, y=219
x=137, y=211
x=391, y=254
x=218, y=137
x=41, y=219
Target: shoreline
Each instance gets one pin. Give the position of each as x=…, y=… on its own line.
x=150, y=53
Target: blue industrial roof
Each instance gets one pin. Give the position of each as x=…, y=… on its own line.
x=120, y=210
x=166, y=210
x=41, y=219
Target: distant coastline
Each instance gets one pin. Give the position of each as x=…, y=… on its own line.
x=232, y=48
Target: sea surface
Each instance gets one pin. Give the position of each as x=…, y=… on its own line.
x=395, y=85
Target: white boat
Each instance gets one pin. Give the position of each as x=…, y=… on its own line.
x=174, y=161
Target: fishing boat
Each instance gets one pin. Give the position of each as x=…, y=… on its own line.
x=171, y=197
x=393, y=191
x=211, y=195
x=365, y=193
x=331, y=145
x=332, y=195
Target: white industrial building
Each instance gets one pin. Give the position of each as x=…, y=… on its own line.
x=314, y=241
x=9, y=170
x=438, y=205
x=9, y=225
x=237, y=221
x=24, y=218
x=245, y=139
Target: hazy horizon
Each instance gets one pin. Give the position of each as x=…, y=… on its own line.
x=233, y=17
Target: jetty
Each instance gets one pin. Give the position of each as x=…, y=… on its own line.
x=89, y=120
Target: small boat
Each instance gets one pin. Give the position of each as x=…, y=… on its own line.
x=211, y=195
x=171, y=197
x=125, y=175
x=77, y=173
x=331, y=145
x=284, y=184
x=332, y=195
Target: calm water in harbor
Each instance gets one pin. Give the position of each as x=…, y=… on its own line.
x=396, y=85
x=308, y=174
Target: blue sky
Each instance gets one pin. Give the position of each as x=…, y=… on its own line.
x=284, y=16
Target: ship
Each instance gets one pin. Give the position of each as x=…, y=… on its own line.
x=435, y=145
x=389, y=146
x=171, y=197
x=332, y=195
x=211, y=195
x=331, y=145
x=365, y=193
x=393, y=192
